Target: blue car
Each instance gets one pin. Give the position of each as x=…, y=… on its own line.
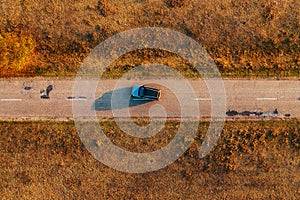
x=142, y=92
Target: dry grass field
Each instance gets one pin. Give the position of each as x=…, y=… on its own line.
x=252, y=160
x=246, y=38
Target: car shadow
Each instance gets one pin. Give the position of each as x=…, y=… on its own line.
x=117, y=99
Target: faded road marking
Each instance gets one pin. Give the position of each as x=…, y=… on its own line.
x=10, y=100
x=266, y=99
x=202, y=99
x=76, y=99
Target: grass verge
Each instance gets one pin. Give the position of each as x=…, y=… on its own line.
x=252, y=160
x=245, y=38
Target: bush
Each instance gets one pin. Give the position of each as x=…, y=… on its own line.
x=105, y=8
x=15, y=51
x=176, y=3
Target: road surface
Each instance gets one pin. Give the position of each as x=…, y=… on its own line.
x=20, y=98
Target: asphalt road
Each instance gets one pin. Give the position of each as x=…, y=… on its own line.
x=21, y=98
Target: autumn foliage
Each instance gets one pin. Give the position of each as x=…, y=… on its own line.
x=47, y=158
x=245, y=38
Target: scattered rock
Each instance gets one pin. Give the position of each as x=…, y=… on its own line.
x=73, y=97
x=27, y=88
x=275, y=112
x=245, y=113
x=49, y=89
x=231, y=113
x=253, y=114
x=45, y=93
x=44, y=97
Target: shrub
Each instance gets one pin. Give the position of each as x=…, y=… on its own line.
x=15, y=51
x=105, y=8
x=176, y=3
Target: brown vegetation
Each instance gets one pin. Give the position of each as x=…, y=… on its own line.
x=176, y=3
x=245, y=38
x=252, y=160
x=16, y=52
